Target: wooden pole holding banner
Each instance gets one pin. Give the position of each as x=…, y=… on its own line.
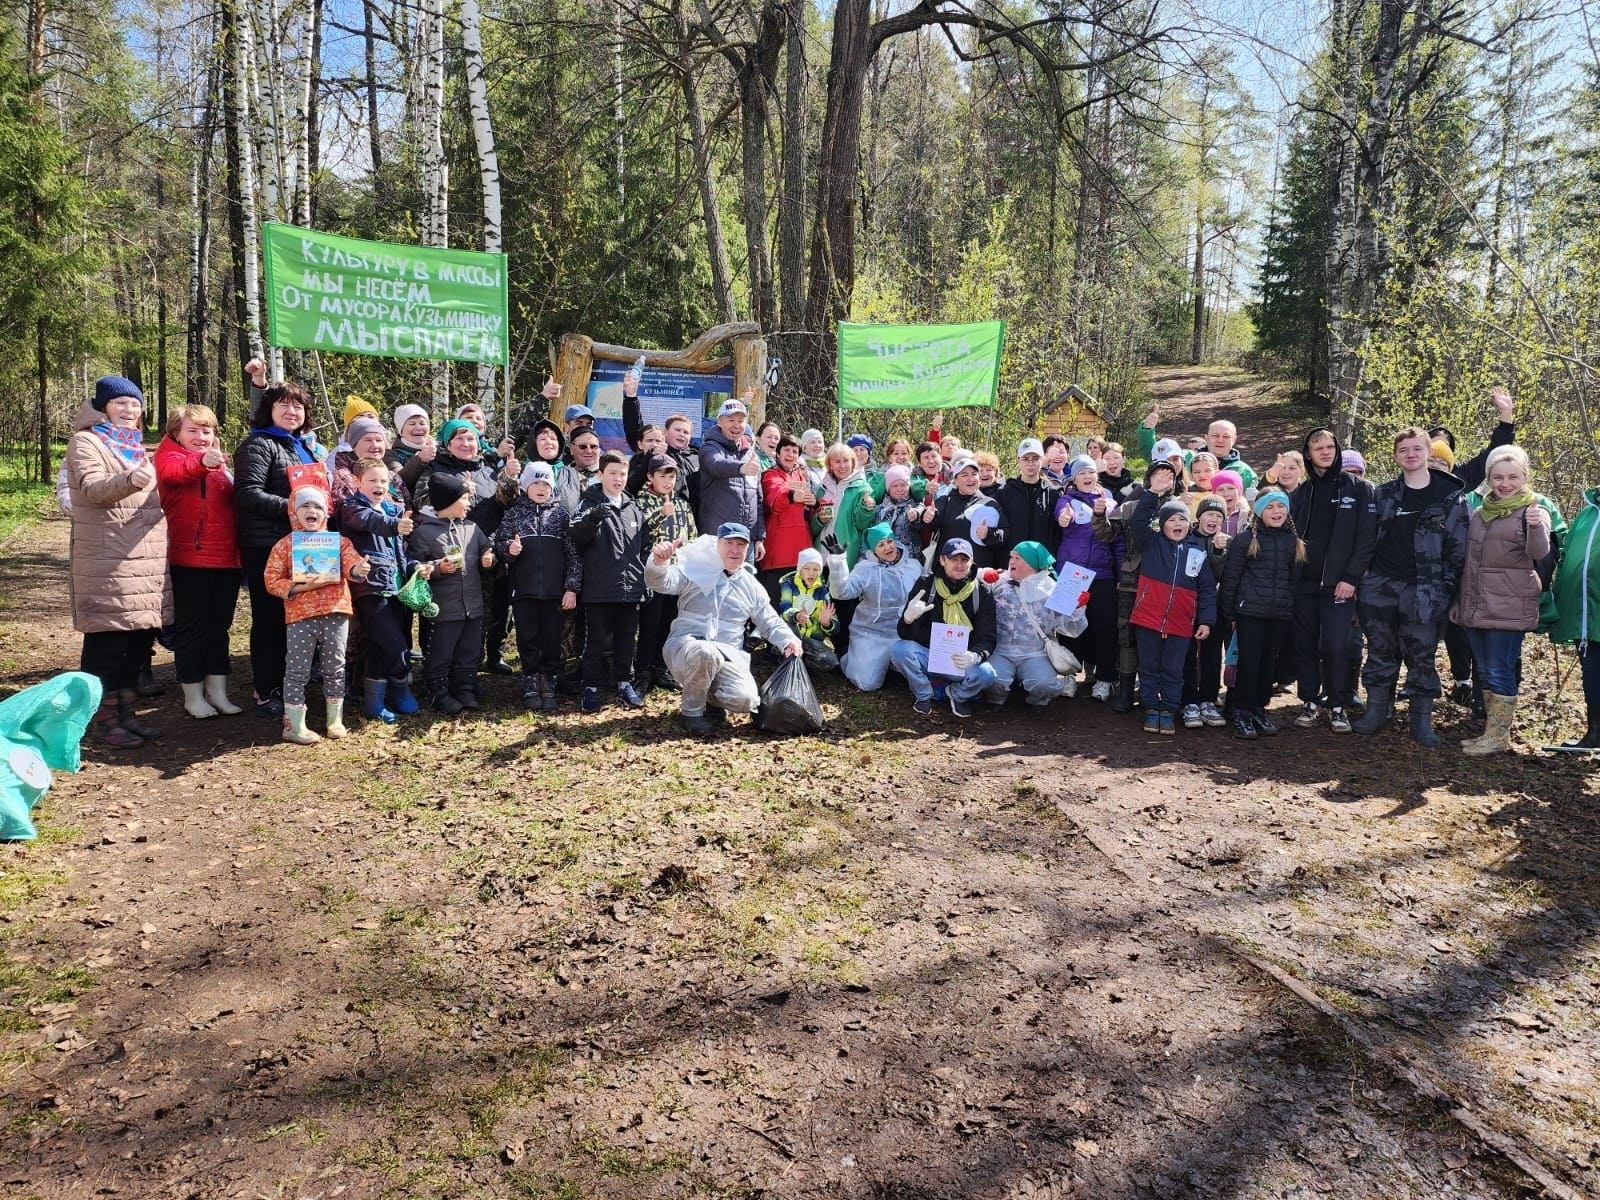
x=574, y=365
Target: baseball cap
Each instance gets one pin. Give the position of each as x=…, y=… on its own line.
x=1030, y=446
x=729, y=407
x=955, y=546
x=535, y=472
x=1166, y=448
x=579, y=412
x=733, y=529
x=858, y=439
x=960, y=462
x=660, y=462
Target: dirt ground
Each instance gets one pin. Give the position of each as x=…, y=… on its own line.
x=1010, y=957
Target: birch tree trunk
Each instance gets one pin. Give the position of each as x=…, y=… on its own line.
x=244, y=234
x=374, y=140
x=792, y=196
x=197, y=374
x=488, y=161
x=435, y=177
x=305, y=111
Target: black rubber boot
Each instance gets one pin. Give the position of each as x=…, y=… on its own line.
x=1122, y=698
x=1380, y=707
x=1420, y=714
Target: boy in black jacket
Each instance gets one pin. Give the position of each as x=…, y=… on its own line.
x=609, y=530
x=459, y=553
x=545, y=575
x=952, y=595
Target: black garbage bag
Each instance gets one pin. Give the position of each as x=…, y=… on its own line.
x=789, y=702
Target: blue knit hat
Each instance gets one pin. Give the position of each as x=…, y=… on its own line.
x=109, y=387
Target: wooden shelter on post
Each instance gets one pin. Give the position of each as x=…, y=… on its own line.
x=741, y=343
x=1073, y=414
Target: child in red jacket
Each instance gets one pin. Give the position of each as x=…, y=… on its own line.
x=195, y=482
x=1176, y=601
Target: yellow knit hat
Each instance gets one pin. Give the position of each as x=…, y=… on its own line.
x=354, y=406
x=1440, y=449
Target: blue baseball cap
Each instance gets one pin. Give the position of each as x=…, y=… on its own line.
x=579, y=412
x=955, y=546
x=858, y=439
x=732, y=529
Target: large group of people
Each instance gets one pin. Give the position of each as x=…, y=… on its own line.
x=1207, y=584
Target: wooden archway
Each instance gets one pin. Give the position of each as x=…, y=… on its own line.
x=746, y=350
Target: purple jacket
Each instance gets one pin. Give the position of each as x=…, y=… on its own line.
x=1082, y=543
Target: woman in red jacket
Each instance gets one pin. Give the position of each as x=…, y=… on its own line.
x=786, y=493
x=196, y=487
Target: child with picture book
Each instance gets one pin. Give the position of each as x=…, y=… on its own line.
x=458, y=552
x=307, y=570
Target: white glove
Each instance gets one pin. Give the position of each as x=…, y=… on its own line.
x=965, y=660
x=916, y=609
x=838, y=569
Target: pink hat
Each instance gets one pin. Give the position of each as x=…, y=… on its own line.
x=898, y=473
x=1222, y=477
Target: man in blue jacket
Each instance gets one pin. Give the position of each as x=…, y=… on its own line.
x=730, y=477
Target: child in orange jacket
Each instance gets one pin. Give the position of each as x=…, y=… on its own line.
x=317, y=615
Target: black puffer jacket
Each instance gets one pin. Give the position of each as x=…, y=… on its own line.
x=261, y=487
x=1261, y=586
x=459, y=594
x=488, y=502
x=549, y=563
x=612, y=540
x=1335, y=513
x=1028, y=512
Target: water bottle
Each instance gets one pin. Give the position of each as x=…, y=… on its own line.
x=637, y=370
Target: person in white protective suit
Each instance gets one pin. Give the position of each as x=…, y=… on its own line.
x=717, y=601
x=1022, y=623
x=882, y=581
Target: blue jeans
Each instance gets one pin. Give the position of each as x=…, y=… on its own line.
x=911, y=660
x=1160, y=669
x=1496, y=653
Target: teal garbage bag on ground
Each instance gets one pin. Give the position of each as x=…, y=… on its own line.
x=41, y=730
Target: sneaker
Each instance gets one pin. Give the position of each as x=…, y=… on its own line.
x=1244, y=727
x=630, y=695
x=696, y=723
x=1340, y=720
x=1461, y=693
x=961, y=708
x=1264, y=725
x=923, y=708
x=1309, y=712
x=1211, y=715
x=1101, y=691
x=1191, y=716
x=1069, y=687
x=270, y=706
x=532, y=701
x=1169, y=724
x=1152, y=722
x=591, y=700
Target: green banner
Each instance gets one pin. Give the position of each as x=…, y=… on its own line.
x=920, y=366
x=326, y=292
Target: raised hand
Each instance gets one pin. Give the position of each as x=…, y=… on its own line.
x=514, y=549
x=429, y=449
x=551, y=389
x=487, y=561
x=1503, y=404
x=212, y=459
x=405, y=525
x=916, y=609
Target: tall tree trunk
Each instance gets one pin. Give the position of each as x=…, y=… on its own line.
x=243, y=234
x=716, y=244
x=369, y=39
x=435, y=177
x=757, y=81
x=488, y=165
x=1198, y=283
x=197, y=388
x=313, y=161
x=37, y=16
x=791, y=196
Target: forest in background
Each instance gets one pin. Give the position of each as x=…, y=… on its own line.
x=1391, y=203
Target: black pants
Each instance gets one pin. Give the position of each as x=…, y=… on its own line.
x=1323, y=630
x=388, y=644
x=497, y=614
x=1097, y=648
x=203, y=603
x=844, y=613
x=610, y=630
x=1459, y=653
x=1202, y=670
x=116, y=657
x=771, y=581
x=1256, y=673
x=454, y=652
x=540, y=624
x=655, y=621
x=269, y=643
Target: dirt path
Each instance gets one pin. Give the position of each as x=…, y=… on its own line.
x=1269, y=415
x=585, y=957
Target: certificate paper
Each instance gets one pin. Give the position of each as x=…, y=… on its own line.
x=944, y=641
x=1071, y=584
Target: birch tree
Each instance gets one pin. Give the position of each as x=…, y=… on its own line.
x=488, y=161
x=434, y=170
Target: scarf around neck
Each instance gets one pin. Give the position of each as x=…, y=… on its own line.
x=1493, y=507
x=952, y=613
x=125, y=441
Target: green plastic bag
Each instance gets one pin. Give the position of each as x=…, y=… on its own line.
x=40, y=731
x=418, y=596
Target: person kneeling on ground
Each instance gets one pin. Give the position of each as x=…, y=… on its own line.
x=803, y=602
x=1022, y=623
x=705, y=650
x=952, y=595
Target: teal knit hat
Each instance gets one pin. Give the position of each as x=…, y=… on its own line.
x=450, y=428
x=882, y=531
x=1036, y=556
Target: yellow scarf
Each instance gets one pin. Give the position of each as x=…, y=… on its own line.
x=953, y=613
